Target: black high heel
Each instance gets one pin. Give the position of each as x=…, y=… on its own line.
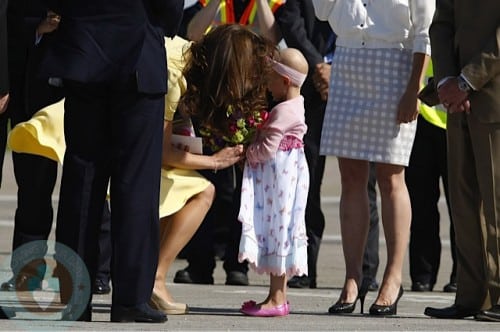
x=347, y=308
x=386, y=310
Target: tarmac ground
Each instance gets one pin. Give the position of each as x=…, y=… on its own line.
x=216, y=307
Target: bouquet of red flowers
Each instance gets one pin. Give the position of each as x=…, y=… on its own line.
x=240, y=129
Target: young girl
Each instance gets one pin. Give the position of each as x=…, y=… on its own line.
x=274, y=189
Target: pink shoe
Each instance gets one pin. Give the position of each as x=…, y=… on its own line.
x=250, y=309
x=248, y=304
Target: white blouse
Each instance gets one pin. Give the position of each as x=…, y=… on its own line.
x=379, y=23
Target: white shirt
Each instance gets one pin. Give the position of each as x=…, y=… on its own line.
x=379, y=23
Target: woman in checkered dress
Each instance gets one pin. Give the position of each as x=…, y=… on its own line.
x=382, y=49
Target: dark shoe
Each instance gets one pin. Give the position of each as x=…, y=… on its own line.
x=301, y=282
x=141, y=313
x=370, y=284
x=6, y=314
x=421, y=287
x=70, y=315
x=386, y=310
x=347, y=308
x=23, y=282
x=491, y=315
x=454, y=312
x=188, y=277
x=450, y=287
x=101, y=287
x=237, y=278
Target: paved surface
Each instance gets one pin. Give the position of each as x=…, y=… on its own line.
x=216, y=307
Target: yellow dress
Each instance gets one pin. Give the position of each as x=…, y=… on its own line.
x=43, y=135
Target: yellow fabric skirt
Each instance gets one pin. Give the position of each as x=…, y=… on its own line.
x=177, y=186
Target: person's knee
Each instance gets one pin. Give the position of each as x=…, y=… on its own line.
x=208, y=195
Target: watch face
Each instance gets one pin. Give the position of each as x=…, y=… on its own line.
x=462, y=85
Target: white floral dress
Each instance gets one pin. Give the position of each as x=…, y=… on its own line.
x=273, y=202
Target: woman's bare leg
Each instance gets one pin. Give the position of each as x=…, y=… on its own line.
x=175, y=232
x=396, y=218
x=354, y=222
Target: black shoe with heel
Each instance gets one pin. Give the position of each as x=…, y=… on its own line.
x=347, y=308
x=386, y=310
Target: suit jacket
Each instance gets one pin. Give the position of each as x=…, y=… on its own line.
x=4, y=72
x=465, y=38
x=303, y=31
x=100, y=41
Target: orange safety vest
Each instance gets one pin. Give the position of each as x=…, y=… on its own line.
x=225, y=14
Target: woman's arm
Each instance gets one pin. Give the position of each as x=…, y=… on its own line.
x=202, y=20
x=408, y=104
x=174, y=157
x=267, y=23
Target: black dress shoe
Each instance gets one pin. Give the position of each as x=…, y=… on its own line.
x=69, y=314
x=141, y=313
x=491, y=315
x=101, y=287
x=454, y=312
x=450, y=287
x=23, y=282
x=189, y=277
x=421, y=287
x=6, y=314
x=237, y=278
x=369, y=284
x=301, y=282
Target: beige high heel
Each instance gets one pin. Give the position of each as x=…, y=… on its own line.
x=169, y=308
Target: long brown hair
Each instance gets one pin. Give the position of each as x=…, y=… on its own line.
x=227, y=67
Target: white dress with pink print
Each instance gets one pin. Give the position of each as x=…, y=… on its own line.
x=274, y=195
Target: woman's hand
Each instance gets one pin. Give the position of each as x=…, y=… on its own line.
x=228, y=156
x=407, y=108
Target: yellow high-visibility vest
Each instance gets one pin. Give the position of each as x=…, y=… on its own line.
x=225, y=13
x=435, y=115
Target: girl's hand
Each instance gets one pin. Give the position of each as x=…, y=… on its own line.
x=407, y=108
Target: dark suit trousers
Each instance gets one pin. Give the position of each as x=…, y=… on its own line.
x=35, y=175
x=370, y=257
x=314, y=217
x=428, y=164
x=113, y=132
x=473, y=157
x=223, y=213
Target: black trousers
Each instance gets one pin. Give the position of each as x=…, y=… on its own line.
x=35, y=175
x=221, y=218
x=314, y=217
x=370, y=257
x=428, y=164
x=113, y=132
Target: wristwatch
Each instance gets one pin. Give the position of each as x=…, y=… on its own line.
x=463, y=85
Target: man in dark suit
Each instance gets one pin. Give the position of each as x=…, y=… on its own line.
x=315, y=39
x=112, y=60
x=4, y=72
x=28, y=24
x=465, y=40
x=4, y=76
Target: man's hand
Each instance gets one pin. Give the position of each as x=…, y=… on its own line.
x=452, y=98
x=4, y=101
x=49, y=24
x=321, y=79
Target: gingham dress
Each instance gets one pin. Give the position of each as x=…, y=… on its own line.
x=360, y=117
